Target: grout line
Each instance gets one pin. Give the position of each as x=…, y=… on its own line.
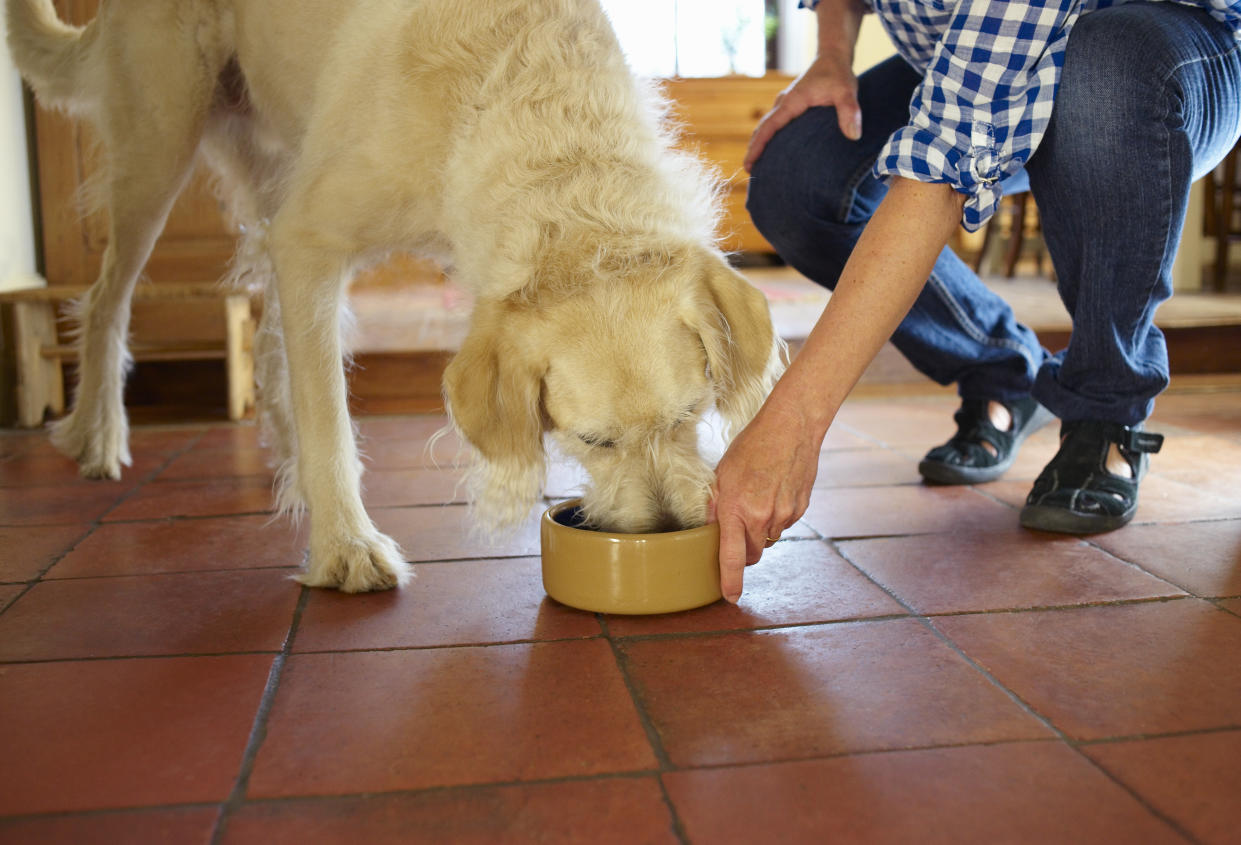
x=1023, y=704
x=92, y=526
x=648, y=726
x=258, y=732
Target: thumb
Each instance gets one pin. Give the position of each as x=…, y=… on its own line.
x=849, y=116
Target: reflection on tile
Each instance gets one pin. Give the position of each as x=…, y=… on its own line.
x=197, y=613
x=907, y=509
x=486, y=601
x=796, y=582
x=946, y=573
x=1123, y=670
x=185, y=545
x=1023, y=792
x=449, y=533
x=804, y=692
x=1202, y=557
x=217, y=497
x=437, y=717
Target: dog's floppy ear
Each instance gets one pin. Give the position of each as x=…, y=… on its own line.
x=743, y=353
x=492, y=390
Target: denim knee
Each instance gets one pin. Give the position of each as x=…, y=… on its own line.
x=808, y=176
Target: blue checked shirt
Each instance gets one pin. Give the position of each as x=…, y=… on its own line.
x=990, y=76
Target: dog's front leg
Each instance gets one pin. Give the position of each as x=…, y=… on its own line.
x=346, y=549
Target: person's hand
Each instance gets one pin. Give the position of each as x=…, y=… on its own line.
x=762, y=486
x=827, y=82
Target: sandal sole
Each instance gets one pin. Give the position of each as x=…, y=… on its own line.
x=1062, y=521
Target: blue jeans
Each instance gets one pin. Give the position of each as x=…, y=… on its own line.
x=1149, y=101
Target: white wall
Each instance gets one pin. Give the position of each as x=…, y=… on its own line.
x=17, y=254
x=798, y=40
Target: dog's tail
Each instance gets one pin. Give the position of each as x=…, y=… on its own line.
x=52, y=55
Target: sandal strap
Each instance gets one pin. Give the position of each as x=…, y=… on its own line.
x=1081, y=463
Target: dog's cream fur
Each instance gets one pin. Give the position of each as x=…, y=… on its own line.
x=506, y=137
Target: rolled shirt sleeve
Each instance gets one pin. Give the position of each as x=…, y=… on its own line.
x=985, y=100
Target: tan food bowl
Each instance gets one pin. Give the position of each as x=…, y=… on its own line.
x=627, y=573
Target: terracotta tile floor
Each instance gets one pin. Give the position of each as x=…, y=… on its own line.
x=908, y=665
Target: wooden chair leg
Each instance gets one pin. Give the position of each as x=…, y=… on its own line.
x=239, y=319
x=40, y=381
x=1224, y=210
x=1017, y=236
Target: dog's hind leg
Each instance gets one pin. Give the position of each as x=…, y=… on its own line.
x=150, y=132
x=347, y=551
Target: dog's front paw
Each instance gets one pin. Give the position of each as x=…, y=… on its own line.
x=99, y=450
x=357, y=564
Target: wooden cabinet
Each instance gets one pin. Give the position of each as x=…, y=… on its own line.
x=718, y=115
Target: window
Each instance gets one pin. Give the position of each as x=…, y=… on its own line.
x=694, y=37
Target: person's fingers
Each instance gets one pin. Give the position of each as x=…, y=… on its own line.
x=733, y=554
x=849, y=116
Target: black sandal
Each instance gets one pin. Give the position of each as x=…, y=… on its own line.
x=965, y=459
x=1076, y=494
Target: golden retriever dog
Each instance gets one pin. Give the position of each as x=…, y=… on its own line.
x=508, y=139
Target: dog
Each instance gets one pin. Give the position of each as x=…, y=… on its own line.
x=509, y=140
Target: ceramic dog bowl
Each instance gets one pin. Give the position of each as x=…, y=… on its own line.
x=627, y=573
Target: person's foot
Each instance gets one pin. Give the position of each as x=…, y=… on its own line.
x=988, y=436
x=1091, y=485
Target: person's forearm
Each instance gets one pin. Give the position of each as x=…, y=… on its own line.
x=881, y=280
x=839, y=22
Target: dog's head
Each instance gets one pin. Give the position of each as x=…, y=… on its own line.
x=619, y=371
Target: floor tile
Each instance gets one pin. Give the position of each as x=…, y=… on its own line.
x=198, y=613
x=185, y=545
x=189, y=826
x=616, y=810
x=9, y=593
x=43, y=470
x=397, y=452
x=946, y=573
x=1190, y=779
x=464, y=602
x=795, y=583
x=919, y=423
x=197, y=464
x=1206, y=413
x=803, y=692
x=843, y=437
x=64, y=505
x=243, y=436
x=1205, y=463
x=415, y=429
x=15, y=442
x=1015, y=793
x=907, y=509
x=1115, y=671
x=383, y=721
x=865, y=468
x=401, y=487
x=163, y=499
x=25, y=552
x=131, y=733
x=449, y=533
x=1202, y=557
